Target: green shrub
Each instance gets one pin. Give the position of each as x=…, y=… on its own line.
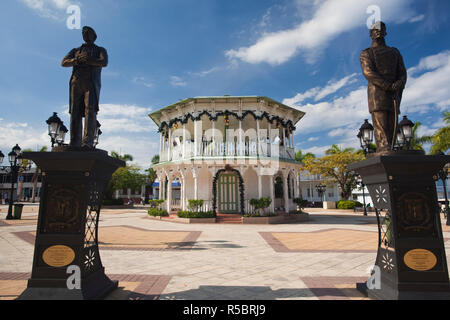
x=259, y=215
x=301, y=203
x=155, y=212
x=195, y=205
x=348, y=204
x=194, y=214
x=112, y=202
x=260, y=204
x=155, y=203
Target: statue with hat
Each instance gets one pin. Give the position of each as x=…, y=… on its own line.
x=385, y=71
x=85, y=83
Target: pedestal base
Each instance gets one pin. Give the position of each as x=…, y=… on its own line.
x=66, y=236
x=388, y=293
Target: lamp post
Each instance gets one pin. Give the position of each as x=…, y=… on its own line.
x=15, y=166
x=365, y=136
x=321, y=190
x=363, y=186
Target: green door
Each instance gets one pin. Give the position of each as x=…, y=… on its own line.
x=227, y=193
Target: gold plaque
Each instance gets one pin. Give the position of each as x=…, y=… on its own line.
x=58, y=256
x=420, y=259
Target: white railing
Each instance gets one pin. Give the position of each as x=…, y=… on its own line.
x=204, y=149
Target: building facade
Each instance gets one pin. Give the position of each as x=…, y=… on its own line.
x=27, y=184
x=226, y=151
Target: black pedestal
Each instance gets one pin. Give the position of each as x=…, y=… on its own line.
x=411, y=257
x=67, y=230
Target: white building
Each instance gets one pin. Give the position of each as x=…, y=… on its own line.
x=309, y=183
x=227, y=150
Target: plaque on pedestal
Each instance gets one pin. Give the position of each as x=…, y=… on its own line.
x=67, y=232
x=411, y=255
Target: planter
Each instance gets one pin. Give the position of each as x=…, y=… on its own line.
x=329, y=205
x=184, y=220
x=17, y=213
x=263, y=220
x=298, y=217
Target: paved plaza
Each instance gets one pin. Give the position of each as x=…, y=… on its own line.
x=319, y=259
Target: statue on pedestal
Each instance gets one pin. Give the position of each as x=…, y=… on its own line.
x=87, y=62
x=385, y=71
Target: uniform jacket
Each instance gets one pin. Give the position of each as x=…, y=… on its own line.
x=382, y=66
x=96, y=71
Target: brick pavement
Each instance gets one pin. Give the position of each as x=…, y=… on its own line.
x=320, y=259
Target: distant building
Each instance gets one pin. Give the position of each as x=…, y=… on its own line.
x=23, y=188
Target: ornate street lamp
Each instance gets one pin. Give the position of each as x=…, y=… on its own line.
x=16, y=165
x=406, y=132
x=365, y=136
x=98, y=133
x=56, y=130
x=321, y=190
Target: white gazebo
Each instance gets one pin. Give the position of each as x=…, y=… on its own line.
x=227, y=150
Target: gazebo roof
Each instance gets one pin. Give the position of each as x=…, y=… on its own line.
x=156, y=116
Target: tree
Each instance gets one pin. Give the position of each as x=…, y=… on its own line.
x=300, y=157
x=335, y=149
x=417, y=141
x=441, y=139
x=125, y=157
x=128, y=177
x=334, y=168
x=155, y=159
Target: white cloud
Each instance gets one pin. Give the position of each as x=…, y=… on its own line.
x=141, y=148
x=142, y=81
x=54, y=9
x=312, y=139
x=342, y=116
x=319, y=93
x=177, y=82
x=12, y=133
x=417, y=18
x=331, y=18
x=429, y=89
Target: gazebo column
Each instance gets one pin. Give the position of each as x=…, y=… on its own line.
x=195, y=176
x=241, y=150
x=169, y=194
x=259, y=184
x=184, y=141
x=272, y=193
x=169, y=157
x=258, y=136
x=213, y=125
x=297, y=185
x=286, y=192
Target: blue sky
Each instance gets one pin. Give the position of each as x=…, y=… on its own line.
x=302, y=53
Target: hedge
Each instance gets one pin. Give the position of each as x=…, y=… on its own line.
x=348, y=204
x=193, y=214
x=112, y=202
x=155, y=212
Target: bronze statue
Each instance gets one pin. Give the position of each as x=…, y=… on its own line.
x=385, y=71
x=87, y=62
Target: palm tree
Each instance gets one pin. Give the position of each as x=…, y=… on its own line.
x=417, y=142
x=125, y=157
x=441, y=139
x=335, y=149
x=300, y=157
x=155, y=159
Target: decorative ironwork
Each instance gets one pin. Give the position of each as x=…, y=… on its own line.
x=95, y=194
x=214, y=116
